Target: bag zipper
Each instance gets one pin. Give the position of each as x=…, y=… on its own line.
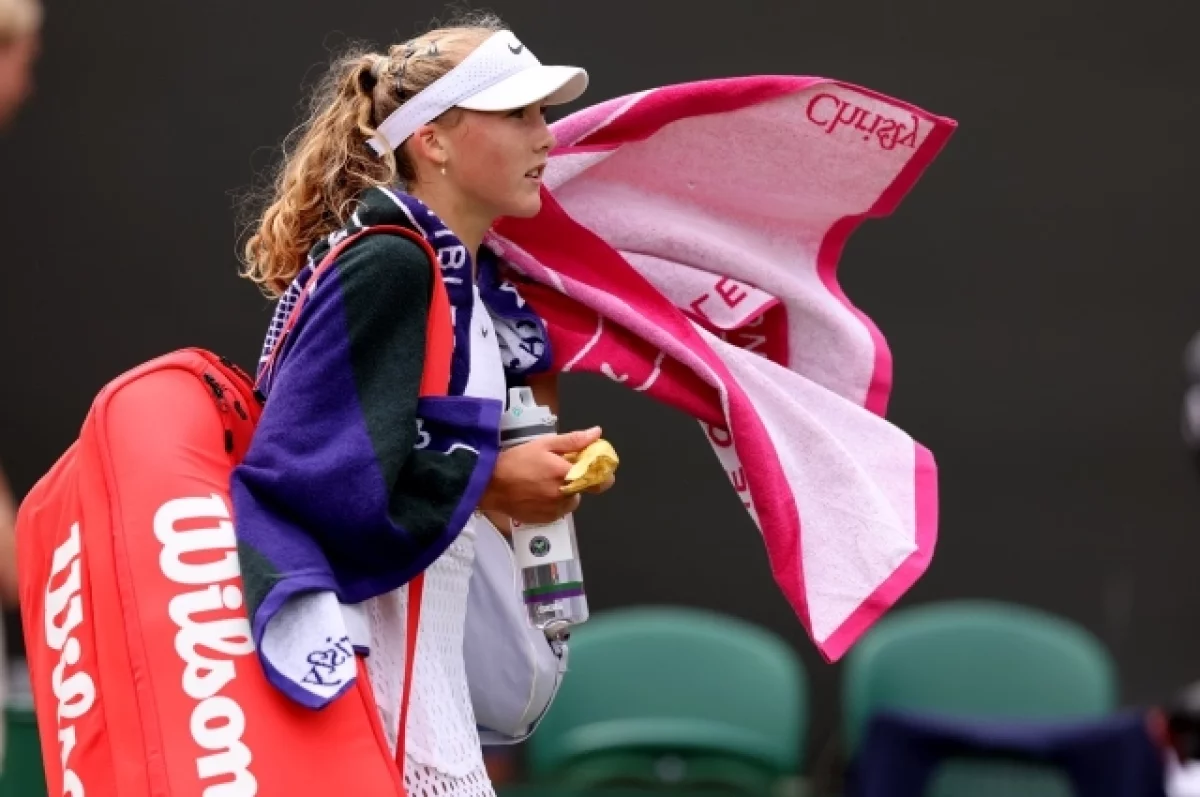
x=222, y=404
x=245, y=377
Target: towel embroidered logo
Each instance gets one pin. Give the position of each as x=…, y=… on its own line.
x=830, y=112
x=75, y=694
x=217, y=722
x=325, y=662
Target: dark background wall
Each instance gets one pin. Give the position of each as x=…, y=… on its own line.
x=1037, y=287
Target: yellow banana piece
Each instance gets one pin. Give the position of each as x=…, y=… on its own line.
x=591, y=466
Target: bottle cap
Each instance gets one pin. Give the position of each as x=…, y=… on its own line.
x=524, y=419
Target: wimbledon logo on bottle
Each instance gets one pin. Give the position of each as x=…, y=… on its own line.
x=75, y=693
x=199, y=550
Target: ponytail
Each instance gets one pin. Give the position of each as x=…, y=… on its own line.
x=319, y=180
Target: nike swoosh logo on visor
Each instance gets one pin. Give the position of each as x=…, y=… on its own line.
x=518, y=50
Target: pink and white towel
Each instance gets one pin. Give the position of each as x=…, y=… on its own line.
x=688, y=248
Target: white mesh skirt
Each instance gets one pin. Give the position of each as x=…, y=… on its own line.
x=423, y=781
x=443, y=755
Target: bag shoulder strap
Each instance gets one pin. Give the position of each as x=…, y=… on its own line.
x=416, y=591
x=435, y=381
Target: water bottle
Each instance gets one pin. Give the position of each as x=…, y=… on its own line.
x=547, y=553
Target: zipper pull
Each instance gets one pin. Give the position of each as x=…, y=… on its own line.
x=214, y=386
x=223, y=405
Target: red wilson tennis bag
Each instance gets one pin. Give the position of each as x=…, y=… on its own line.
x=144, y=675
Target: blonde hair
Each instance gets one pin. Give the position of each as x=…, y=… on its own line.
x=316, y=184
x=19, y=18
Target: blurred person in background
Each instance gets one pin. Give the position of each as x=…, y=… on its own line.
x=1191, y=397
x=8, y=557
x=20, y=40
x=20, y=37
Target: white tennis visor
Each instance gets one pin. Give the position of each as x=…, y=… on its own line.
x=499, y=75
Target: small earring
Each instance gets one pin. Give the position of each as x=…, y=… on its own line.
x=443, y=170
